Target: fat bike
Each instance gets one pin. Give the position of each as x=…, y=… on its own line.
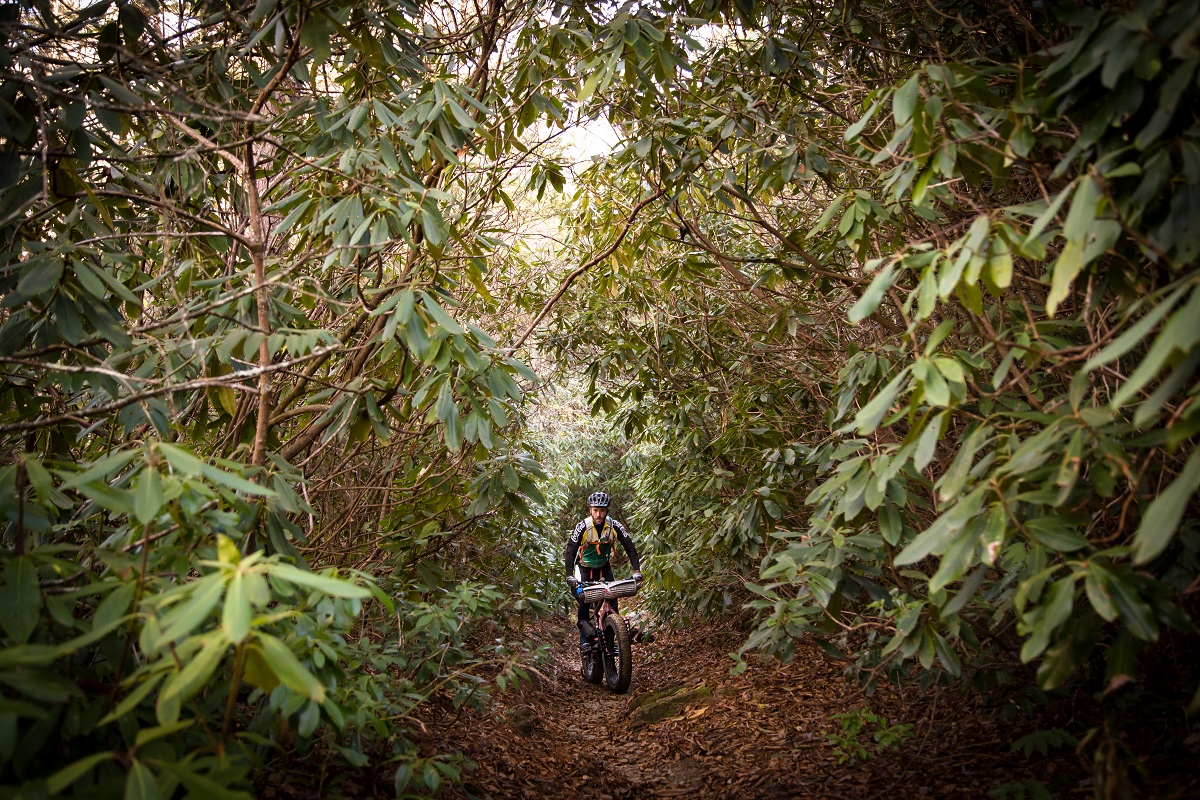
x=608, y=660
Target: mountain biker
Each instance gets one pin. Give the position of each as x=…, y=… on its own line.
x=591, y=545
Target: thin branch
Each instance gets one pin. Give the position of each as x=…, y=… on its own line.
x=582, y=268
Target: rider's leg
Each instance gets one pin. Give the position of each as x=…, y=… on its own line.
x=580, y=622
x=582, y=618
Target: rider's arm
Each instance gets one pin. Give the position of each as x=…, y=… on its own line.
x=571, y=554
x=627, y=543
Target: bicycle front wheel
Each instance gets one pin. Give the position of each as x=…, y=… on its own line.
x=618, y=668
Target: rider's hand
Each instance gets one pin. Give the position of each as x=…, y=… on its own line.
x=572, y=583
x=637, y=577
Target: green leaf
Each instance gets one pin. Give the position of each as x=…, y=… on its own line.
x=937, y=392
x=199, y=785
x=121, y=92
x=1056, y=533
x=43, y=275
x=969, y=587
x=904, y=101
x=148, y=496
x=927, y=443
x=855, y=129
x=334, y=587
x=183, y=685
x=1083, y=210
x=943, y=530
x=589, y=85
x=871, y=298
x=1098, y=594
x=21, y=599
x=185, y=617
x=1047, y=215
x=827, y=216
x=958, y=557
x=926, y=653
x=102, y=468
x=289, y=670
x=440, y=316
x=431, y=225
x=997, y=274
x=295, y=214
x=140, y=783
x=147, y=735
x=1135, y=613
x=889, y=524
x=1046, y=618
x=1122, y=657
x=237, y=614
x=1066, y=268
x=133, y=699
x=511, y=479
x=994, y=531
x=1033, y=452
x=114, y=606
x=39, y=477
x=235, y=482
x=227, y=550
x=181, y=459
x=43, y=686
x=939, y=335
x=1163, y=514
x=955, y=478
x=1180, y=334
x=947, y=656
x=65, y=777
x=950, y=368
x=761, y=591
x=869, y=416
x=28, y=655
x=450, y=419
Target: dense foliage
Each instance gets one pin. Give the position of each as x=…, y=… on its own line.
x=912, y=319
x=896, y=303
x=243, y=257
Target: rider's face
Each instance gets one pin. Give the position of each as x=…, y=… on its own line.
x=598, y=514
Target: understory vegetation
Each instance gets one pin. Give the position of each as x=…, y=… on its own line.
x=881, y=321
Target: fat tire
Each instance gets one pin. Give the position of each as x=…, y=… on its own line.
x=618, y=668
x=592, y=665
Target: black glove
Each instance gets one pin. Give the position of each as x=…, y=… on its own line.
x=637, y=578
x=572, y=583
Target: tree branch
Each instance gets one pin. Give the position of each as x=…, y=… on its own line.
x=566, y=284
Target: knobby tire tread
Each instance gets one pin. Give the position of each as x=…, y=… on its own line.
x=617, y=676
x=592, y=666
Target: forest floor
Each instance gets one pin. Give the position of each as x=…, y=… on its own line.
x=767, y=733
x=773, y=731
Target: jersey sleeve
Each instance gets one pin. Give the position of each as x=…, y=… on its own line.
x=571, y=553
x=627, y=543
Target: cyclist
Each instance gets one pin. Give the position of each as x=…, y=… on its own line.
x=591, y=545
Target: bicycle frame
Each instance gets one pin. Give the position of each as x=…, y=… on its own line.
x=610, y=662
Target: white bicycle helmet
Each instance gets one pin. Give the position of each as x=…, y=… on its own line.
x=599, y=499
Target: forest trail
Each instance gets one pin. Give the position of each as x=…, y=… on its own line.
x=761, y=734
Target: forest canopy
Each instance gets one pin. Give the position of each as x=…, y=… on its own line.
x=882, y=317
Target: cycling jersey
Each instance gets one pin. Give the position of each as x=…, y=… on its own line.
x=597, y=557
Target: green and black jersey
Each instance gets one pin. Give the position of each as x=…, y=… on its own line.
x=592, y=547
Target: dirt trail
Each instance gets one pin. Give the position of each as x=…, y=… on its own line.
x=761, y=734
